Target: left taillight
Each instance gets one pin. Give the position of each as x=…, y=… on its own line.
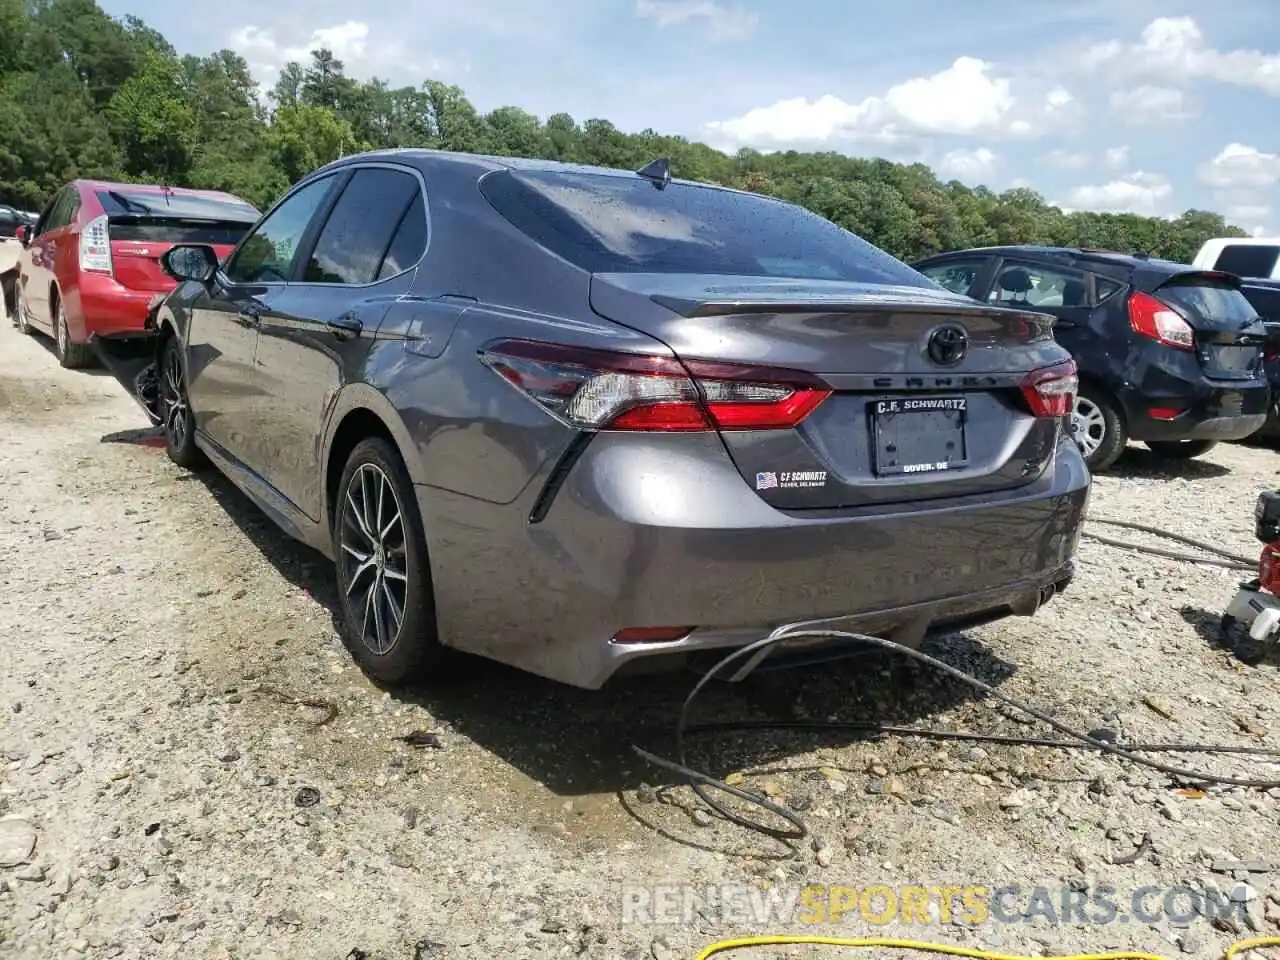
x=605, y=390
x=1051, y=391
x=95, y=246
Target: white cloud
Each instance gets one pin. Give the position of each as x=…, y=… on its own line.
x=1147, y=104
x=965, y=98
x=972, y=166
x=723, y=24
x=1247, y=213
x=265, y=54
x=1174, y=48
x=1116, y=157
x=1138, y=192
x=1239, y=167
x=1066, y=160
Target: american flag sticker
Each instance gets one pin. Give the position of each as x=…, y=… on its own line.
x=766, y=481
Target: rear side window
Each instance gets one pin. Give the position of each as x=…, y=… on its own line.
x=1248, y=259
x=1106, y=289
x=620, y=224
x=361, y=227
x=409, y=243
x=1210, y=300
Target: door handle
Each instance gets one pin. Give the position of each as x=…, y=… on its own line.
x=347, y=325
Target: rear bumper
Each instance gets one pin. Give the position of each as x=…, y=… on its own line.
x=1211, y=410
x=101, y=306
x=665, y=532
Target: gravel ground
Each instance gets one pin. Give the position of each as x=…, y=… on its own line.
x=158, y=637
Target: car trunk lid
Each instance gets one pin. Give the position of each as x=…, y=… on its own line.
x=1229, y=336
x=138, y=243
x=927, y=397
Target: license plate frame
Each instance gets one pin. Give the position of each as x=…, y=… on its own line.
x=946, y=419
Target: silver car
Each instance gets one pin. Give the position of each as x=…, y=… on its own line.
x=579, y=420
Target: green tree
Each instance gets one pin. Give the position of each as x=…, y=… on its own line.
x=153, y=121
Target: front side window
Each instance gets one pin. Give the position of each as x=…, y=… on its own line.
x=362, y=226
x=606, y=223
x=1030, y=284
x=958, y=276
x=268, y=254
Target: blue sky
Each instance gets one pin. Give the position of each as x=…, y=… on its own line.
x=1097, y=104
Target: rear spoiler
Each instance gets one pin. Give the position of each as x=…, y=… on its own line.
x=1150, y=280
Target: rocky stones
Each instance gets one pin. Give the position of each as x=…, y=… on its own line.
x=17, y=841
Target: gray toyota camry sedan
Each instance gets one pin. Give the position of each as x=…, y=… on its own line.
x=579, y=420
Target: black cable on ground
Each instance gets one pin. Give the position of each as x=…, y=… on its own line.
x=1177, y=537
x=1230, y=564
x=813, y=630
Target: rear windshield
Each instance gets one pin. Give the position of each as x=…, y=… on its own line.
x=1210, y=300
x=177, y=231
x=122, y=202
x=611, y=224
x=1248, y=259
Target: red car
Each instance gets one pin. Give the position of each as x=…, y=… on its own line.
x=91, y=263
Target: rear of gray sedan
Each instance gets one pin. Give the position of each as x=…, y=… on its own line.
x=752, y=418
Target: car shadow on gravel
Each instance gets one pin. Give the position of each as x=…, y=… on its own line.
x=579, y=742
x=1139, y=463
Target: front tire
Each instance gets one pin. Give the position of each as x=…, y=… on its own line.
x=1180, y=449
x=176, y=418
x=384, y=578
x=1098, y=429
x=20, y=313
x=72, y=356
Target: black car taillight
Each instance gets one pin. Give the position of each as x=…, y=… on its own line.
x=606, y=390
x=1157, y=321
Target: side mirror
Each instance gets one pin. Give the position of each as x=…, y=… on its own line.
x=21, y=234
x=190, y=262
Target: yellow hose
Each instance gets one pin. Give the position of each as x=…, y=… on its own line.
x=741, y=943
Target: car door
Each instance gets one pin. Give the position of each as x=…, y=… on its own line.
x=37, y=275
x=222, y=336
x=964, y=274
x=1064, y=292
x=320, y=328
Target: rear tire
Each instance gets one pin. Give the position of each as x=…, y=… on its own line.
x=1180, y=449
x=1098, y=429
x=73, y=356
x=384, y=577
x=176, y=418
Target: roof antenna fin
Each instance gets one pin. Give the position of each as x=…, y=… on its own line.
x=658, y=172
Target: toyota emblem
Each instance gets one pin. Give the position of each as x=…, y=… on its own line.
x=948, y=345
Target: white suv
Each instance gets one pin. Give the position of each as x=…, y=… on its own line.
x=1254, y=257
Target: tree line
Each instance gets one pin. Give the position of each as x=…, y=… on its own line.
x=83, y=94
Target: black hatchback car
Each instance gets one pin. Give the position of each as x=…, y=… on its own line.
x=1168, y=355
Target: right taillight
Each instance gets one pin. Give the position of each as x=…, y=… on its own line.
x=1051, y=391
x=605, y=390
x=1155, y=320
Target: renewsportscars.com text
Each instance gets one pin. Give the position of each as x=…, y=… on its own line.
x=972, y=904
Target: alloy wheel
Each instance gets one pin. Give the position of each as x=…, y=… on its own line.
x=173, y=401
x=1088, y=426
x=373, y=564
x=64, y=337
